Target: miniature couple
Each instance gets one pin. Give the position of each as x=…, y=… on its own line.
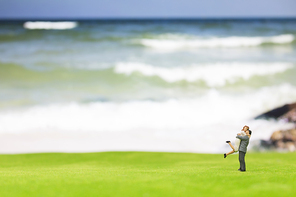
x=241, y=143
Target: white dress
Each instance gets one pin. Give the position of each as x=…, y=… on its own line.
x=237, y=142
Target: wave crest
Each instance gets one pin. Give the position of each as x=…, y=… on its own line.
x=174, y=43
x=215, y=75
x=185, y=122
x=50, y=25
x=144, y=114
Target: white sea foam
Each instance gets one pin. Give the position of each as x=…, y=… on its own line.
x=213, y=74
x=50, y=25
x=196, y=125
x=175, y=43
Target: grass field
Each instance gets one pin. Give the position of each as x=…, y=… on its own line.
x=146, y=174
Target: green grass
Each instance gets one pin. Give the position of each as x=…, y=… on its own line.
x=146, y=174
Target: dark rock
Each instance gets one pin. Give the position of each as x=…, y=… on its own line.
x=282, y=139
x=287, y=112
x=290, y=116
x=266, y=144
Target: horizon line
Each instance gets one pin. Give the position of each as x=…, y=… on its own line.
x=144, y=18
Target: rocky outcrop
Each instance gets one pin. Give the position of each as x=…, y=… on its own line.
x=286, y=112
x=290, y=116
x=283, y=140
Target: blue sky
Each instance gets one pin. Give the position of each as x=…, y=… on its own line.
x=146, y=8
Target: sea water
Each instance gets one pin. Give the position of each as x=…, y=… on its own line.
x=142, y=85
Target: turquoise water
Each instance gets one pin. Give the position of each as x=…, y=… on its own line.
x=170, y=77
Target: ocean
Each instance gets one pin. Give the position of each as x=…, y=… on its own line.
x=181, y=85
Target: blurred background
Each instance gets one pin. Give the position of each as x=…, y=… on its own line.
x=84, y=76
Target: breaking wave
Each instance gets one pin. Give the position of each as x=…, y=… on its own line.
x=50, y=25
x=183, y=42
x=213, y=74
x=185, y=122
